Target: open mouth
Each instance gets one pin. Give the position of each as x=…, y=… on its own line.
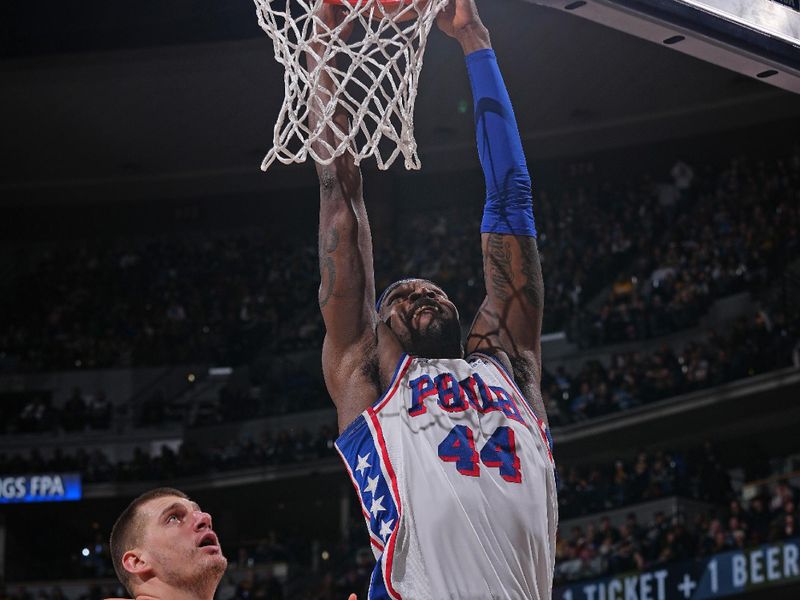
x=207, y=540
x=426, y=308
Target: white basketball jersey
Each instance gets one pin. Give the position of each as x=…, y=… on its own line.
x=456, y=480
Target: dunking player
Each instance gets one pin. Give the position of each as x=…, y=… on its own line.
x=447, y=445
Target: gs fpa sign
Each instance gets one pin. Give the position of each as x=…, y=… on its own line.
x=47, y=487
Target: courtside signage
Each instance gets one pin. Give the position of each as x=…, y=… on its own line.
x=46, y=487
x=721, y=575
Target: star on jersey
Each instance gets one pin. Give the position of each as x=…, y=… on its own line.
x=386, y=529
x=372, y=485
x=377, y=506
x=375, y=482
x=362, y=463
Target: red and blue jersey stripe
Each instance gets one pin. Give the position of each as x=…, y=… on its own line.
x=363, y=451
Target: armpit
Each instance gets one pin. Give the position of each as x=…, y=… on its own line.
x=370, y=370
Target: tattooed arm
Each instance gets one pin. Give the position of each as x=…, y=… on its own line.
x=509, y=322
x=347, y=288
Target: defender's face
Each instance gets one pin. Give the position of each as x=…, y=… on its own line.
x=423, y=318
x=179, y=542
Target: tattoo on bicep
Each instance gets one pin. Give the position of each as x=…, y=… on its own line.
x=532, y=269
x=327, y=267
x=498, y=261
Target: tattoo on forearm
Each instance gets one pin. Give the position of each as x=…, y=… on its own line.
x=498, y=259
x=327, y=180
x=333, y=240
x=328, y=279
x=327, y=267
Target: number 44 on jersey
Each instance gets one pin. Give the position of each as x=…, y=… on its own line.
x=498, y=451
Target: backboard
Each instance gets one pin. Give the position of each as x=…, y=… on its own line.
x=757, y=38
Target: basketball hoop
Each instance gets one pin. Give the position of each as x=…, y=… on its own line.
x=398, y=10
x=376, y=83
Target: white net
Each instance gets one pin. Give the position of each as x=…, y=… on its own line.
x=374, y=74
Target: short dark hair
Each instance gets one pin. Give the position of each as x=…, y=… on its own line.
x=127, y=530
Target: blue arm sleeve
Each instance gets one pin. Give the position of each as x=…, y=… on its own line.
x=509, y=205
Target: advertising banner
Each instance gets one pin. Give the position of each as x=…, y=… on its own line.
x=718, y=576
x=45, y=487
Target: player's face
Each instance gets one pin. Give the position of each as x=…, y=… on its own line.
x=424, y=319
x=179, y=543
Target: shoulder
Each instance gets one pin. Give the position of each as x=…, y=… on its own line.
x=524, y=370
x=498, y=358
x=357, y=377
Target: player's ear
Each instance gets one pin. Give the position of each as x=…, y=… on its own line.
x=135, y=563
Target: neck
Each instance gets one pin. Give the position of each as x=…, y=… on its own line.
x=158, y=590
x=424, y=350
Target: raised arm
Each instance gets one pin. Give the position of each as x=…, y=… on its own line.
x=347, y=288
x=509, y=322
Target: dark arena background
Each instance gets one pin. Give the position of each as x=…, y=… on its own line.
x=158, y=314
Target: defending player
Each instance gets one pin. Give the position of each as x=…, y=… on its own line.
x=450, y=456
x=163, y=546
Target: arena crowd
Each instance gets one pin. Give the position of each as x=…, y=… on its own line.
x=664, y=252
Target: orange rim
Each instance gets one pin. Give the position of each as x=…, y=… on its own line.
x=360, y=2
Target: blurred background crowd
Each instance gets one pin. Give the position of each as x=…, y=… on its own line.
x=623, y=260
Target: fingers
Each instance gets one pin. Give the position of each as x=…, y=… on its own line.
x=444, y=20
